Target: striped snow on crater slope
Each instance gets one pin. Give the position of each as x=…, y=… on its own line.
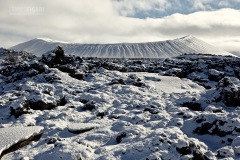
x=161, y=49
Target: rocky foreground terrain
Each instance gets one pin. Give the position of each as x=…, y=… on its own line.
x=68, y=107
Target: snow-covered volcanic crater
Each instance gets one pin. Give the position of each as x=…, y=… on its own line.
x=162, y=49
x=67, y=107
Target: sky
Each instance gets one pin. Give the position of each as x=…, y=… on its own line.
x=113, y=21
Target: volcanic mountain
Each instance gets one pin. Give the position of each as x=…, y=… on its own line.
x=161, y=49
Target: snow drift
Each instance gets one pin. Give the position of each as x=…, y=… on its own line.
x=14, y=135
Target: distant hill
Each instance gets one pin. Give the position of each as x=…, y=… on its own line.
x=161, y=49
x=236, y=53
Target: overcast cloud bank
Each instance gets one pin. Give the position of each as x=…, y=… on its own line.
x=95, y=21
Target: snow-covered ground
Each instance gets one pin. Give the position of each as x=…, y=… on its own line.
x=181, y=108
x=162, y=49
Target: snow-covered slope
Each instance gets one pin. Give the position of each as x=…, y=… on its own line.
x=162, y=49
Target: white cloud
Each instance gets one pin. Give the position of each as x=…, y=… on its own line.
x=202, y=5
x=161, y=8
x=95, y=21
x=132, y=7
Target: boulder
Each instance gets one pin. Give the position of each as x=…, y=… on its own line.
x=229, y=88
x=215, y=75
x=19, y=107
x=53, y=58
x=41, y=105
x=225, y=152
x=120, y=137
x=117, y=81
x=215, y=124
x=236, y=145
x=195, y=106
x=90, y=105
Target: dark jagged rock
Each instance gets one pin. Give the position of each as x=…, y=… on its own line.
x=68, y=64
x=204, y=128
x=120, y=137
x=198, y=155
x=51, y=140
x=117, y=81
x=173, y=72
x=84, y=101
x=237, y=72
x=138, y=84
x=67, y=68
x=79, y=76
x=59, y=52
x=38, y=67
x=21, y=70
x=215, y=75
x=184, y=150
x=194, y=150
x=225, y=152
x=41, y=105
x=134, y=76
x=62, y=101
x=51, y=77
x=23, y=108
x=55, y=57
x=12, y=57
x=195, y=106
x=229, y=92
x=9, y=70
x=215, y=126
x=101, y=114
x=151, y=110
x=89, y=106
